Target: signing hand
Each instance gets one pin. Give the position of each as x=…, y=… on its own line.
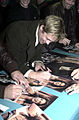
x=19, y=78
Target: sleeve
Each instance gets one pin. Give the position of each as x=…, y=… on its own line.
x=6, y=60
x=2, y=88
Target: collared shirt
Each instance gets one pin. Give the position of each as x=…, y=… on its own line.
x=37, y=41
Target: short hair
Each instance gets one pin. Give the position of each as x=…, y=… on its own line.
x=55, y=25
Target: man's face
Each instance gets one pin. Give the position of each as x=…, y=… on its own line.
x=4, y=2
x=68, y=3
x=39, y=100
x=45, y=38
x=25, y=2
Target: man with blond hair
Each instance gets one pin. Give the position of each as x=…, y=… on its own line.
x=24, y=40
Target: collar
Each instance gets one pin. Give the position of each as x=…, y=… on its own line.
x=37, y=41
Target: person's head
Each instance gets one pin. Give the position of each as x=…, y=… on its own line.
x=4, y=3
x=68, y=3
x=51, y=29
x=24, y=3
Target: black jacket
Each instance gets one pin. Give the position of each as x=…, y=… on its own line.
x=8, y=63
x=20, y=37
x=69, y=17
x=6, y=60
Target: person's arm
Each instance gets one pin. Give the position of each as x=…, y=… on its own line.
x=12, y=91
x=6, y=60
x=7, y=91
x=72, y=32
x=19, y=78
x=10, y=65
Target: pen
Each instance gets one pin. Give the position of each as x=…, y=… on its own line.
x=28, y=89
x=70, y=91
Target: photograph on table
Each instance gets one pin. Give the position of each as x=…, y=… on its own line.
x=55, y=82
x=59, y=83
x=40, y=98
x=29, y=112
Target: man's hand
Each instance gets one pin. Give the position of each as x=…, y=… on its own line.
x=12, y=91
x=75, y=75
x=77, y=45
x=41, y=66
x=19, y=78
x=65, y=41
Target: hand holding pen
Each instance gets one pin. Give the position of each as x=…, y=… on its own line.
x=19, y=78
x=25, y=89
x=22, y=81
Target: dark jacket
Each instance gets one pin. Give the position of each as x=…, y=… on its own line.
x=18, y=13
x=69, y=17
x=20, y=38
x=2, y=88
x=7, y=62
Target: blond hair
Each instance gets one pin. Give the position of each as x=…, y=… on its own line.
x=54, y=24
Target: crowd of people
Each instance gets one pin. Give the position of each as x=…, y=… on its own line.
x=23, y=33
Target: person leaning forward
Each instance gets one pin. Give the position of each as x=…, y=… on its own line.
x=24, y=40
